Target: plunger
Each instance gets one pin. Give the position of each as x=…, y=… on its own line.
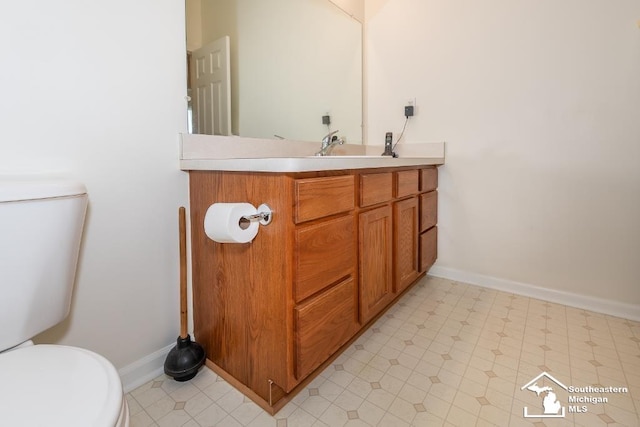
x=184, y=360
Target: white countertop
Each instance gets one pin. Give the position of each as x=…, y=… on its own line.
x=220, y=153
x=306, y=164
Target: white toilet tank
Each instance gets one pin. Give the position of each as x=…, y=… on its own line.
x=40, y=231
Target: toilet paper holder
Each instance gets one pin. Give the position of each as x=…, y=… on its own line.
x=264, y=215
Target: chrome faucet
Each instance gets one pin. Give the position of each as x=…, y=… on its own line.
x=328, y=142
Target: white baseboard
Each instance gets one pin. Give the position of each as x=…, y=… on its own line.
x=599, y=305
x=144, y=370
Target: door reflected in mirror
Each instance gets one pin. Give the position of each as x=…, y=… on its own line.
x=288, y=65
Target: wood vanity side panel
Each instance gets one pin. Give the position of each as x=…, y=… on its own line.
x=320, y=197
x=217, y=312
x=271, y=324
x=240, y=304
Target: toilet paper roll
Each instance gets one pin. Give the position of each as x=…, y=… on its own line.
x=222, y=223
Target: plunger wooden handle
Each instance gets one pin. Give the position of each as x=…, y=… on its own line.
x=183, y=271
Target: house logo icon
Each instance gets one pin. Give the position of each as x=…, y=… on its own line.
x=552, y=408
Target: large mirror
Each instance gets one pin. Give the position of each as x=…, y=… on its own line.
x=294, y=68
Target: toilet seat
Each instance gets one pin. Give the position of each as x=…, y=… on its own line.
x=56, y=385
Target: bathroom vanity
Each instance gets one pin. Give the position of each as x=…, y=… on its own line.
x=342, y=246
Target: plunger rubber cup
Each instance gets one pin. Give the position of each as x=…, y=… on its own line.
x=184, y=360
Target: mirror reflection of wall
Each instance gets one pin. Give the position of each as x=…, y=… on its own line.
x=291, y=62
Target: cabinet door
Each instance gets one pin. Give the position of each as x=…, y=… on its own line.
x=375, y=258
x=405, y=231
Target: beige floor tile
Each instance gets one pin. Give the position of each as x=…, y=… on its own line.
x=390, y=420
x=211, y=415
x=381, y=398
x=246, y=412
x=471, y=387
x=460, y=417
x=160, y=408
x=149, y=396
x=141, y=419
x=437, y=406
x=448, y=354
x=370, y=413
x=621, y=416
x=501, y=399
x=403, y=410
x=134, y=406
x=494, y=415
x=197, y=404
x=174, y=419
x=330, y=390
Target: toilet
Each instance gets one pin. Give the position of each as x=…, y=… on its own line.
x=41, y=223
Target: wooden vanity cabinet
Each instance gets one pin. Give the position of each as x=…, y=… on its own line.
x=341, y=247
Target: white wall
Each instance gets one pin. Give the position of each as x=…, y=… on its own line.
x=539, y=103
x=95, y=90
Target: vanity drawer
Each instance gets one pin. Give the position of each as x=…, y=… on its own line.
x=323, y=325
x=376, y=188
x=407, y=183
x=428, y=179
x=428, y=210
x=320, y=197
x=325, y=253
x=428, y=248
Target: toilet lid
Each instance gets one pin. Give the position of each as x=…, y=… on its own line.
x=54, y=385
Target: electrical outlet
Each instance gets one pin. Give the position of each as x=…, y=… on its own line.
x=410, y=108
x=408, y=111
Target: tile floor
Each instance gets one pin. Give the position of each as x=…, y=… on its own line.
x=447, y=353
